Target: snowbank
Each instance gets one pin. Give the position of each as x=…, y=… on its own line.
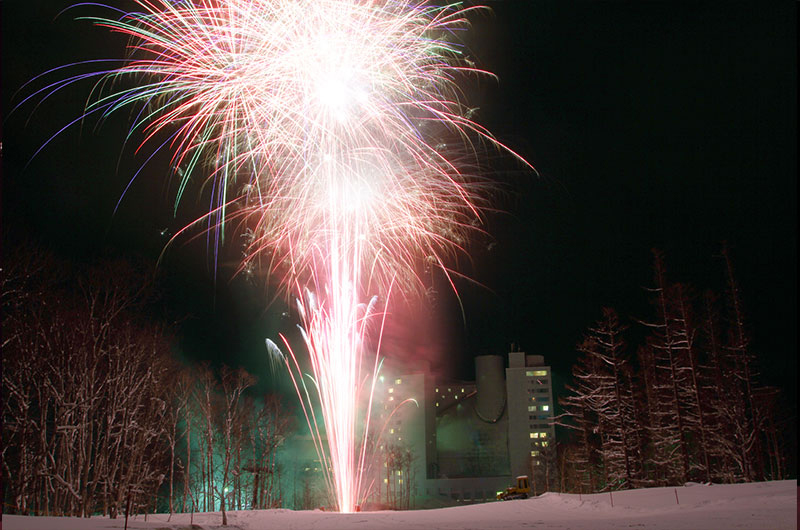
x=765, y=505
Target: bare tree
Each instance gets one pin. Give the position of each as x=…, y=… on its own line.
x=229, y=415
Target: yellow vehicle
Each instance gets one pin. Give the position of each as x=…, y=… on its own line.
x=520, y=491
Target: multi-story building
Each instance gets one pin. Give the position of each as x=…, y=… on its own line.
x=451, y=442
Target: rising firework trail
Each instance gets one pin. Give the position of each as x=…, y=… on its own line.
x=318, y=124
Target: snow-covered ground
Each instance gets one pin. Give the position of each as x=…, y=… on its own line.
x=766, y=505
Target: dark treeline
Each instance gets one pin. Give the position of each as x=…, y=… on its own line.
x=686, y=404
x=98, y=416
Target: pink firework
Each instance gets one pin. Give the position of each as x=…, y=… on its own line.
x=318, y=120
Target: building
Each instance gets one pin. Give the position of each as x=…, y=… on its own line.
x=453, y=442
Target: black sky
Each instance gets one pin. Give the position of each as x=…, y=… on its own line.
x=652, y=124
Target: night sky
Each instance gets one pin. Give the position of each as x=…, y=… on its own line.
x=651, y=124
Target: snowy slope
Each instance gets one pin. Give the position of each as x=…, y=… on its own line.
x=766, y=505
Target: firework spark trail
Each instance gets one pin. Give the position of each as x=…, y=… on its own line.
x=290, y=102
x=316, y=120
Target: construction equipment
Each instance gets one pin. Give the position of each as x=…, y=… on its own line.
x=520, y=491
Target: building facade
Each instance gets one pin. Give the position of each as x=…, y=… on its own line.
x=445, y=443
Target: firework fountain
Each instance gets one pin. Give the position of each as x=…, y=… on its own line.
x=317, y=122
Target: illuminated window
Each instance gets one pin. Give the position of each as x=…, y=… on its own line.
x=534, y=435
x=462, y=390
x=400, y=481
x=542, y=435
x=456, y=396
x=398, y=381
x=386, y=481
x=380, y=379
x=532, y=408
x=544, y=444
x=399, y=472
x=534, y=453
x=437, y=404
x=391, y=431
x=545, y=407
x=437, y=390
x=391, y=398
x=391, y=390
x=449, y=389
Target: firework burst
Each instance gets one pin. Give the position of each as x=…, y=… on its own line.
x=316, y=122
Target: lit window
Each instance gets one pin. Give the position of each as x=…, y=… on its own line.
x=545, y=407
x=542, y=435
x=449, y=389
x=398, y=381
x=386, y=481
x=400, y=481
x=534, y=435
x=534, y=453
x=399, y=472
x=462, y=390
x=456, y=396
x=380, y=379
x=391, y=398
x=391, y=431
x=532, y=408
x=544, y=444
x=391, y=390
x=437, y=390
x=437, y=404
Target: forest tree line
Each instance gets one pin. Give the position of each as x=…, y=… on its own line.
x=99, y=417
x=684, y=405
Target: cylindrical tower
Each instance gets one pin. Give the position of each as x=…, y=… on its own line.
x=491, y=387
